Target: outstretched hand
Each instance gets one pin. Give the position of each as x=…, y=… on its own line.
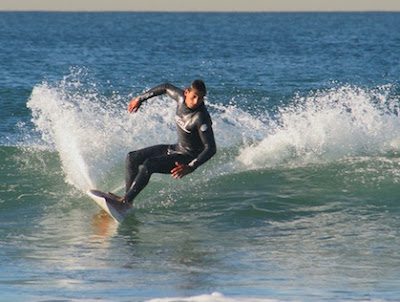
x=180, y=170
x=134, y=105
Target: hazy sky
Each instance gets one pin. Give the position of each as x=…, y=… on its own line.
x=202, y=5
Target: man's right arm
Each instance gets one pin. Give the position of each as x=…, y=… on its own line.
x=171, y=90
x=166, y=88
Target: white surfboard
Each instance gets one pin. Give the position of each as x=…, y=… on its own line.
x=107, y=202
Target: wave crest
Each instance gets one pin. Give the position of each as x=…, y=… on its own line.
x=328, y=125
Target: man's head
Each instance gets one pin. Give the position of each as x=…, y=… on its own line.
x=194, y=95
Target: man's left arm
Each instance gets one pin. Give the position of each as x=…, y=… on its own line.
x=210, y=148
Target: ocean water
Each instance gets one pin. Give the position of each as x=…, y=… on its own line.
x=301, y=202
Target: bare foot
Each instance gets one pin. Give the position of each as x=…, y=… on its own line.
x=116, y=197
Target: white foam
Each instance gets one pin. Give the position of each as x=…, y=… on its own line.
x=91, y=132
x=328, y=125
x=213, y=297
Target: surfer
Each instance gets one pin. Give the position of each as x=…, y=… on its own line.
x=196, y=143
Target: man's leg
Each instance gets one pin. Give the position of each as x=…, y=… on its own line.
x=160, y=164
x=136, y=158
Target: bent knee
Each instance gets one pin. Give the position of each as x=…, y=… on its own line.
x=132, y=158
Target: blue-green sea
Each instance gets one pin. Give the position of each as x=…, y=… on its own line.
x=300, y=203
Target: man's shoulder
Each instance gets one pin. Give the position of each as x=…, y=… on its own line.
x=203, y=116
x=174, y=91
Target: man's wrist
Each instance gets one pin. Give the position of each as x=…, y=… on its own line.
x=193, y=164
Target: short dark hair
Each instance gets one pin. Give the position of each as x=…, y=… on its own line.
x=199, y=85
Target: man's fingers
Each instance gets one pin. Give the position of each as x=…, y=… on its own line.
x=177, y=171
x=134, y=105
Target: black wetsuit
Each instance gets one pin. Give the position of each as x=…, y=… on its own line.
x=196, y=143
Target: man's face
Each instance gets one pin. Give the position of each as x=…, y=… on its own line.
x=193, y=98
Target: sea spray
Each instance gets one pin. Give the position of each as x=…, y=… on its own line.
x=328, y=125
x=81, y=125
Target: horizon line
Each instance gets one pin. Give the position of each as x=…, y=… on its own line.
x=196, y=11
